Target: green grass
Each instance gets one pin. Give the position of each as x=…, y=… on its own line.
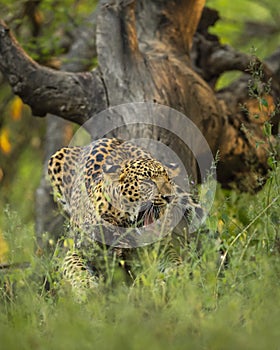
x=130, y=318
x=196, y=304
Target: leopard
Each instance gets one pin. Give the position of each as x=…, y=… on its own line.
x=113, y=191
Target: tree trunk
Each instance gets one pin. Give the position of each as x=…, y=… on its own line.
x=156, y=51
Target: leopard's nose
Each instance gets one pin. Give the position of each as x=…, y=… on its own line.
x=168, y=198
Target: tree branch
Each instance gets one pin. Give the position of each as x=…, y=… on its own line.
x=211, y=59
x=45, y=90
x=191, y=10
x=168, y=24
x=273, y=62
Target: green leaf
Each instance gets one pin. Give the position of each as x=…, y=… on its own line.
x=264, y=102
x=267, y=127
x=271, y=161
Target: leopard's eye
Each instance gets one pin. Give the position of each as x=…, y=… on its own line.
x=148, y=182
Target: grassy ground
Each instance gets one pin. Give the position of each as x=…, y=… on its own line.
x=196, y=304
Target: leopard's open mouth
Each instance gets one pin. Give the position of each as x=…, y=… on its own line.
x=148, y=214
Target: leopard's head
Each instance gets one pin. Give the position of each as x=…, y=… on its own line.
x=136, y=192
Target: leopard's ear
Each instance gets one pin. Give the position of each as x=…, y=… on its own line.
x=173, y=169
